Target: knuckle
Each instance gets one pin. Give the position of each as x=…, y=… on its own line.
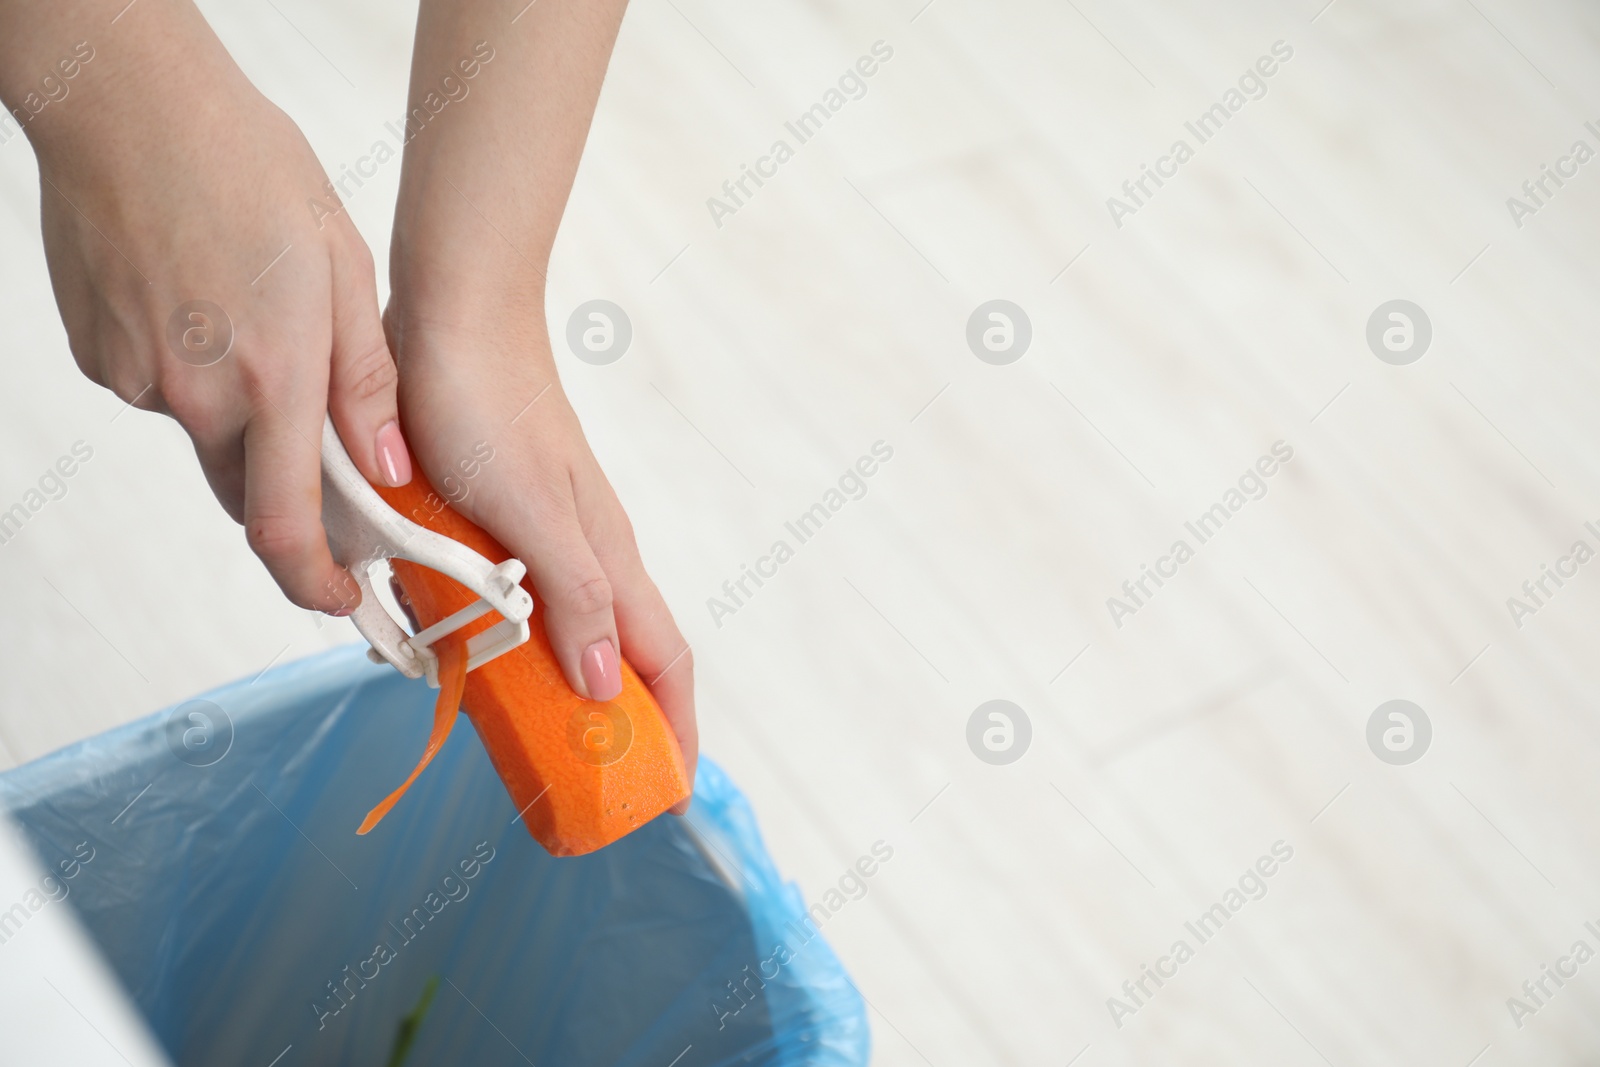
x=89, y=361
x=278, y=538
x=130, y=389
x=360, y=257
x=589, y=597
x=370, y=375
x=194, y=411
x=624, y=532
x=260, y=377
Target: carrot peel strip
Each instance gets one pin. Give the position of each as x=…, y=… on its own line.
x=452, y=683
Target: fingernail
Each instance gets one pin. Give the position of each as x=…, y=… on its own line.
x=393, y=459
x=600, y=671
x=339, y=613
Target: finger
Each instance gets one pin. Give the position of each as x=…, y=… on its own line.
x=576, y=595
x=282, y=513
x=651, y=640
x=361, y=383
x=223, y=465
x=213, y=412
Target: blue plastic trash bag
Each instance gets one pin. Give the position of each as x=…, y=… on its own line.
x=229, y=891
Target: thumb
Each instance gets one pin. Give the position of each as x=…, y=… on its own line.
x=361, y=379
x=576, y=595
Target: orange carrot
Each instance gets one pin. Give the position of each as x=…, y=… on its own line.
x=452, y=681
x=581, y=773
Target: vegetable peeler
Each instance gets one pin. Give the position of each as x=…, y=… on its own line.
x=363, y=529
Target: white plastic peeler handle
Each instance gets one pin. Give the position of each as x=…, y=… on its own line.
x=362, y=529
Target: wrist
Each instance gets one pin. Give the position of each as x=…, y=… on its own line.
x=467, y=239
x=140, y=102
x=464, y=269
x=465, y=292
x=464, y=322
x=457, y=277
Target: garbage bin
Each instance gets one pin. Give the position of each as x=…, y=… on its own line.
x=229, y=891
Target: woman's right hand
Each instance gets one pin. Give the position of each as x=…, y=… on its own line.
x=167, y=180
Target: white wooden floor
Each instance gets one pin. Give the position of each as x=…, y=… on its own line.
x=829, y=311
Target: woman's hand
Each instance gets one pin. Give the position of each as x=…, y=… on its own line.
x=484, y=183
x=491, y=428
x=166, y=179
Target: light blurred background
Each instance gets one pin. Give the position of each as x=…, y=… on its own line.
x=1167, y=354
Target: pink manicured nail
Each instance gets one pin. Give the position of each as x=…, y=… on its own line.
x=600, y=671
x=393, y=459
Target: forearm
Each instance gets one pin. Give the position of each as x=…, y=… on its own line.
x=34, y=39
x=497, y=116
x=88, y=90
